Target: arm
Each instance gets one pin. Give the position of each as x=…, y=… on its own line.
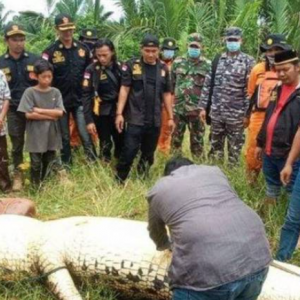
x=168, y=102
x=37, y=116
x=122, y=100
x=4, y=113
x=54, y=113
x=157, y=230
x=249, y=67
x=204, y=98
x=286, y=173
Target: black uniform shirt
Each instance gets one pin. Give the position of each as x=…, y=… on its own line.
x=108, y=89
x=69, y=66
x=19, y=74
x=138, y=106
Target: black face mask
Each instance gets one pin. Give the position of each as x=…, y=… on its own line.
x=90, y=45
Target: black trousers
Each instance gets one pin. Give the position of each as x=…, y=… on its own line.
x=137, y=138
x=108, y=135
x=5, y=182
x=16, y=130
x=41, y=164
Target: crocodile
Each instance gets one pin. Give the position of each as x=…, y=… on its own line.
x=117, y=253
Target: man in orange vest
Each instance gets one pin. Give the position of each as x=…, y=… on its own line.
x=168, y=51
x=262, y=81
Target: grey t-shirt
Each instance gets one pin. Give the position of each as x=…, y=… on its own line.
x=216, y=237
x=42, y=135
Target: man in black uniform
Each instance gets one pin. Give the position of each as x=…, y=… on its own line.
x=70, y=58
x=17, y=65
x=145, y=84
x=89, y=37
x=101, y=86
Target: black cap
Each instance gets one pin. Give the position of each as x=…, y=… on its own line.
x=150, y=40
x=285, y=57
x=13, y=29
x=64, y=22
x=275, y=40
x=169, y=44
x=89, y=34
x=233, y=32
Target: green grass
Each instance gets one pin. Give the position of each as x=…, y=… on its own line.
x=92, y=191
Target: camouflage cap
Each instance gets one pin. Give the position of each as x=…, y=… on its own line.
x=275, y=40
x=195, y=38
x=169, y=44
x=64, y=22
x=13, y=29
x=89, y=34
x=233, y=32
x=150, y=40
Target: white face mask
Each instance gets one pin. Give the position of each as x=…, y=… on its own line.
x=271, y=59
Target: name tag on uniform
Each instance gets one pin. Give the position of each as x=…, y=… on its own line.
x=103, y=76
x=163, y=73
x=58, y=57
x=137, y=70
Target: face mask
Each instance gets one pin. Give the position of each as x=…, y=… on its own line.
x=194, y=52
x=168, y=54
x=233, y=46
x=271, y=59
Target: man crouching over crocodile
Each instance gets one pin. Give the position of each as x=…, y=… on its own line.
x=219, y=245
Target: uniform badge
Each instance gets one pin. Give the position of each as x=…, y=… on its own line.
x=103, y=76
x=273, y=97
x=30, y=68
x=269, y=41
x=45, y=56
x=81, y=52
x=124, y=67
x=85, y=83
x=89, y=33
x=163, y=73
x=58, y=57
x=97, y=68
x=170, y=44
x=137, y=70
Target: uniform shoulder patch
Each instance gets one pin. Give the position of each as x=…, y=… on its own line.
x=87, y=75
x=45, y=56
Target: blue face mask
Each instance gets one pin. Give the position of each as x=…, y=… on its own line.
x=233, y=46
x=168, y=54
x=194, y=52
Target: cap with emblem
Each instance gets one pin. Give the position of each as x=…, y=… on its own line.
x=88, y=34
x=233, y=33
x=13, y=29
x=195, y=39
x=285, y=57
x=64, y=22
x=150, y=40
x=275, y=40
x=169, y=44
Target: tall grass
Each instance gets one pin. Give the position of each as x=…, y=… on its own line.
x=92, y=191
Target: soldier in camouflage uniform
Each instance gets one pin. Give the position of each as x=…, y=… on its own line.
x=189, y=75
x=229, y=100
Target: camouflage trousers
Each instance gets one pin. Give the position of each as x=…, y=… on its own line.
x=234, y=132
x=196, y=130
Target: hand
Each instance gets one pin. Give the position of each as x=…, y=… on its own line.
x=258, y=153
x=203, y=116
x=171, y=125
x=91, y=129
x=285, y=174
x=120, y=123
x=246, y=122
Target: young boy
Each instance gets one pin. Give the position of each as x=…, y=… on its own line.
x=5, y=183
x=43, y=106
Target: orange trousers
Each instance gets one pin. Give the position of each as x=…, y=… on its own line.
x=164, y=141
x=256, y=121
